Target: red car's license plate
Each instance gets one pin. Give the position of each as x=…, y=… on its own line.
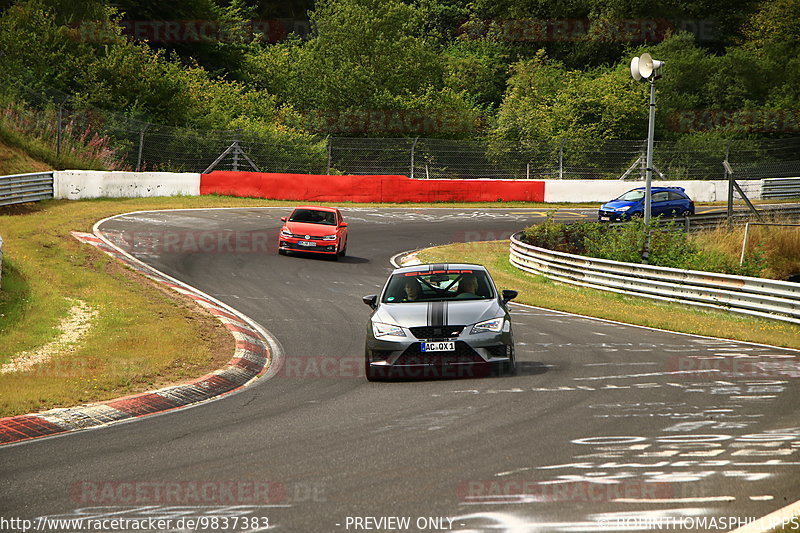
x=446, y=346
x=307, y=243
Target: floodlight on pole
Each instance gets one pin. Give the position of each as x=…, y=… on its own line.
x=648, y=69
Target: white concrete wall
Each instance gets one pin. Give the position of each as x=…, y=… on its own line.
x=605, y=190
x=80, y=184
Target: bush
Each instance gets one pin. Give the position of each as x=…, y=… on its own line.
x=570, y=238
x=635, y=242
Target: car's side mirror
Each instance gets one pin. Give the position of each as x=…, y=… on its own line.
x=283, y=219
x=371, y=300
x=508, y=295
x=343, y=225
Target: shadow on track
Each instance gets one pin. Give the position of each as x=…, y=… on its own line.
x=348, y=259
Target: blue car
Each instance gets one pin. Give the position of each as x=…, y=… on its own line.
x=666, y=201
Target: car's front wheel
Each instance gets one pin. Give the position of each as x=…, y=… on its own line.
x=507, y=368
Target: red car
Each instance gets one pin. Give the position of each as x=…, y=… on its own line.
x=314, y=229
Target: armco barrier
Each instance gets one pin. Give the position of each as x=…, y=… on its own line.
x=781, y=188
x=324, y=188
x=753, y=296
x=21, y=188
x=81, y=184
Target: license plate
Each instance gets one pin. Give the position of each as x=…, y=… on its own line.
x=445, y=346
x=605, y=218
x=307, y=243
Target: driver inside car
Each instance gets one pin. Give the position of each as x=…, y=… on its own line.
x=411, y=290
x=467, y=287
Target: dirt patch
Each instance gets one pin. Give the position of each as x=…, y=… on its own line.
x=73, y=327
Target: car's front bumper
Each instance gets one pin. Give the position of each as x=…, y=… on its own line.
x=319, y=247
x=403, y=357
x=612, y=216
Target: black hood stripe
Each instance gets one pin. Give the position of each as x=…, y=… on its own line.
x=437, y=311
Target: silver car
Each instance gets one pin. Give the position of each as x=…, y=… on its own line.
x=439, y=320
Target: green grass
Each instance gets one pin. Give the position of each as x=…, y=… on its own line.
x=542, y=292
x=14, y=299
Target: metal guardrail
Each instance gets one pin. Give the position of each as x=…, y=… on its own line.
x=753, y=296
x=21, y=188
x=780, y=188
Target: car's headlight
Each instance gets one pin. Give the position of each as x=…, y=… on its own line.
x=381, y=330
x=624, y=208
x=286, y=233
x=494, y=325
x=329, y=238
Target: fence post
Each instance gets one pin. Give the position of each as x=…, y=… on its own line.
x=729, y=178
x=561, y=160
x=60, y=125
x=141, y=146
x=330, y=154
x=413, y=146
x=235, y=163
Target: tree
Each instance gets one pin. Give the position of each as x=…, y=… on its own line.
x=547, y=101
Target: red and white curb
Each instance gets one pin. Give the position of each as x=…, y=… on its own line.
x=251, y=359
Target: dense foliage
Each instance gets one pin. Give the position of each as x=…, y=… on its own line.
x=657, y=244
x=519, y=71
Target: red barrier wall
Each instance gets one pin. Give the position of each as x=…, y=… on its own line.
x=323, y=188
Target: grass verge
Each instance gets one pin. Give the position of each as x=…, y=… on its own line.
x=542, y=292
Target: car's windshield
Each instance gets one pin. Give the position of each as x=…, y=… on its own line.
x=438, y=285
x=632, y=196
x=312, y=216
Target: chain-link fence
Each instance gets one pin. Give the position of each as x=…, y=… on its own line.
x=102, y=139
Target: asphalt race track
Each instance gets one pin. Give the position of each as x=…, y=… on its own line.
x=604, y=426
